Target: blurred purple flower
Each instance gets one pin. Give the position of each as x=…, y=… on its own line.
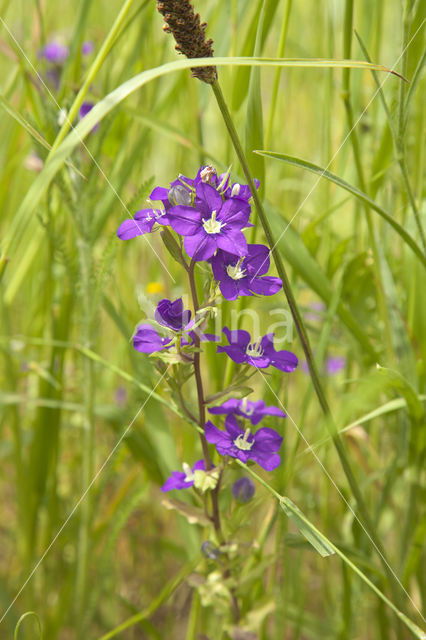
x=172, y=314
x=243, y=276
x=54, y=52
x=261, y=446
x=210, y=551
x=84, y=110
x=243, y=489
x=183, y=479
x=254, y=411
x=316, y=307
x=87, y=47
x=335, y=364
x=120, y=396
x=259, y=354
x=211, y=224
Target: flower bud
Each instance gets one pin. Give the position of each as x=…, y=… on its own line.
x=243, y=489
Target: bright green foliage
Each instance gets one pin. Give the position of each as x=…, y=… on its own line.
x=347, y=209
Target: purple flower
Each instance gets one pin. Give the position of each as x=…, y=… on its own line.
x=54, y=52
x=335, y=364
x=144, y=220
x=84, y=110
x=172, y=315
x=259, y=354
x=211, y=224
x=243, y=276
x=254, y=411
x=87, y=47
x=261, y=446
x=147, y=340
x=183, y=479
x=210, y=551
x=243, y=489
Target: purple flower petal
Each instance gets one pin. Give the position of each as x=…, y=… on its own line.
x=172, y=315
x=268, y=440
x=239, y=337
x=147, y=340
x=199, y=247
x=55, y=52
x=233, y=242
x=257, y=263
x=180, y=480
x=134, y=227
x=184, y=220
x=267, y=461
x=266, y=286
x=284, y=361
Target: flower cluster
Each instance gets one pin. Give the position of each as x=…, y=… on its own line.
x=206, y=217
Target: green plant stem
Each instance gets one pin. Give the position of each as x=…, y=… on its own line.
x=398, y=142
x=346, y=95
x=201, y=406
x=88, y=444
x=356, y=491
x=291, y=507
x=277, y=74
x=406, y=23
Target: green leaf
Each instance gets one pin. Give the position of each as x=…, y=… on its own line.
x=311, y=534
x=22, y=618
x=323, y=173
x=172, y=247
x=404, y=388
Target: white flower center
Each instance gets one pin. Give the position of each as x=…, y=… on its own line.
x=235, y=272
x=242, y=441
x=235, y=190
x=189, y=476
x=254, y=349
x=244, y=407
x=212, y=225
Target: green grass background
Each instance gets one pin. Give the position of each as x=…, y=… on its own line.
x=71, y=295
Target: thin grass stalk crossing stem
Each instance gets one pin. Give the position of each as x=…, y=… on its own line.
x=356, y=491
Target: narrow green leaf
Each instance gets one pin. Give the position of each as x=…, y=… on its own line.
x=403, y=387
x=323, y=173
x=22, y=618
x=305, y=528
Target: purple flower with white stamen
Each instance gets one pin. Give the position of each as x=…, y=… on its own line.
x=144, y=220
x=259, y=354
x=262, y=446
x=211, y=224
x=254, y=411
x=172, y=314
x=183, y=479
x=245, y=276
